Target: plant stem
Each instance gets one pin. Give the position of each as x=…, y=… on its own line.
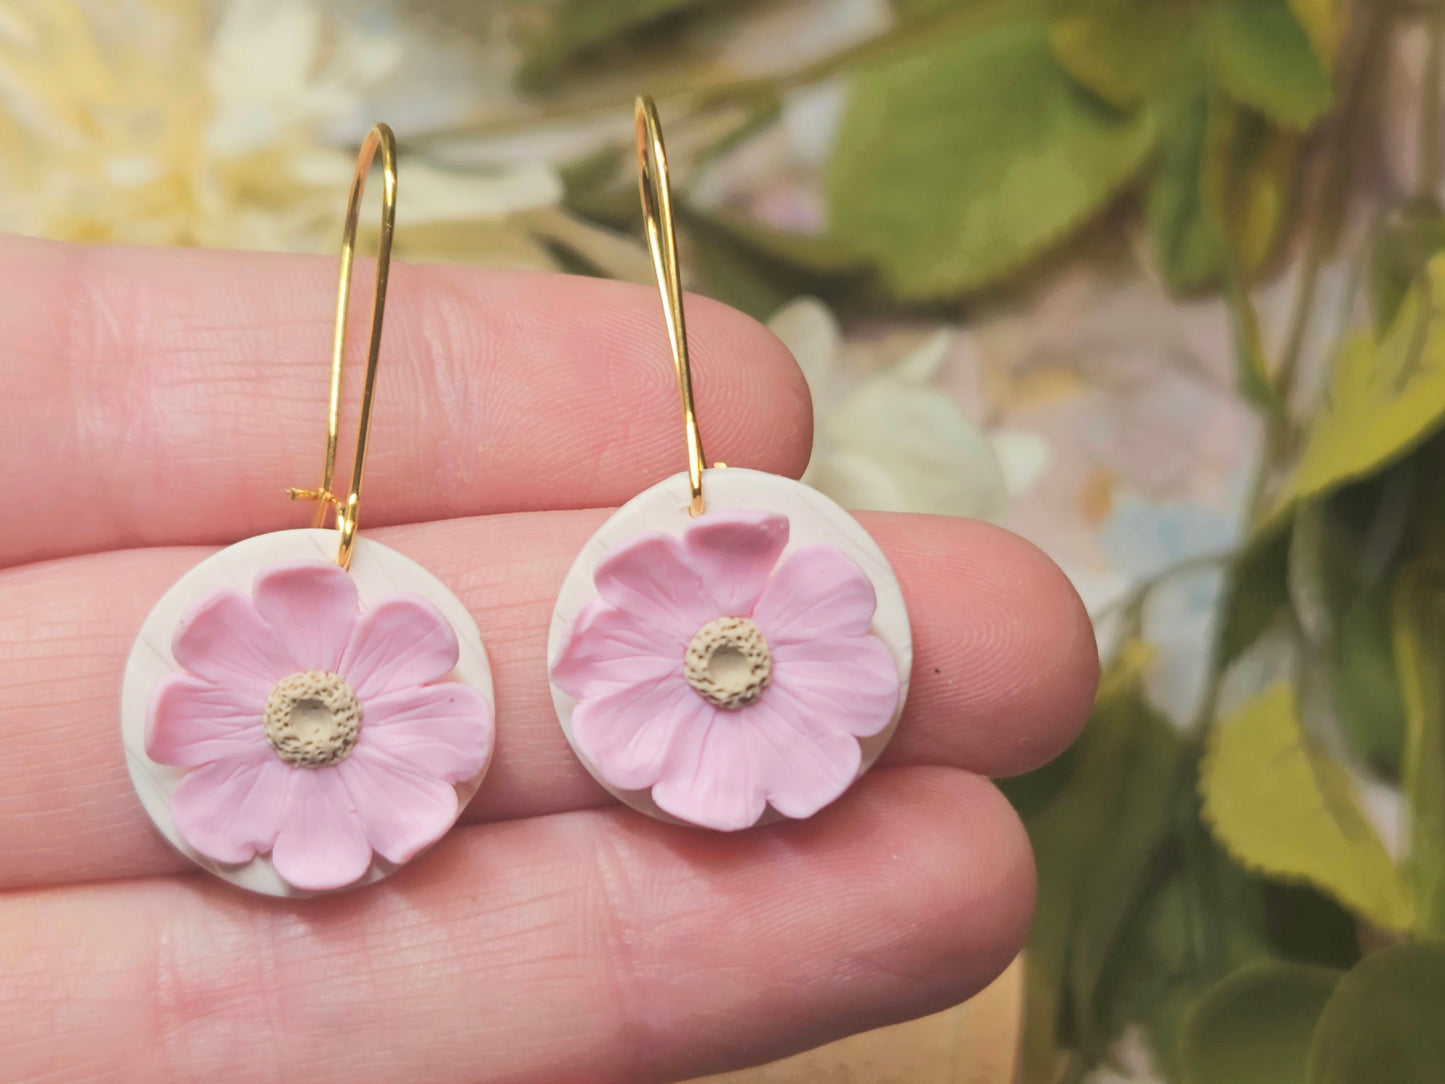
x=1140, y=589
x=1325, y=231
x=1428, y=183
x=1336, y=185
x=704, y=95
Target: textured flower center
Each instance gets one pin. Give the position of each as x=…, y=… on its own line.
x=728, y=663
x=313, y=719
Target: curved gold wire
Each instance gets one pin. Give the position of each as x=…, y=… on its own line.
x=656, y=192
x=349, y=510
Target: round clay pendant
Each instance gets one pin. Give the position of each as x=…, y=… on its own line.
x=720, y=670
x=296, y=728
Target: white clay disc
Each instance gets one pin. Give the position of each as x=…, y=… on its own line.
x=378, y=573
x=812, y=518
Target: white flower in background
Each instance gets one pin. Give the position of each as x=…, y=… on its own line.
x=157, y=122
x=276, y=66
x=892, y=441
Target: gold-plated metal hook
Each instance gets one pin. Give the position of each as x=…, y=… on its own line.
x=348, y=510
x=656, y=192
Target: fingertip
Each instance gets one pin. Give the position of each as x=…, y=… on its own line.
x=1057, y=660
x=749, y=364
x=597, y=351
x=1005, y=662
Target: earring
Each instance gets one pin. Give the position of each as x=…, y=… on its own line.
x=730, y=640
x=302, y=715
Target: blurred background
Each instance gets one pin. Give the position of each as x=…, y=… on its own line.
x=1151, y=282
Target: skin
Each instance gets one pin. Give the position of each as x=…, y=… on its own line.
x=156, y=404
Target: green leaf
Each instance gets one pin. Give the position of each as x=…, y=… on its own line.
x=1133, y=816
x=1201, y=918
x=1383, y=1023
x=576, y=28
x=1248, y=182
x=1156, y=974
x=1419, y=622
x=1285, y=809
x=958, y=162
x=1254, y=1027
x=1383, y=397
x=923, y=9
x=1093, y=833
x=1122, y=50
x=1252, y=377
x=1366, y=691
x=1186, y=238
x=1258, y=591
x=1323, y=21
x=1307, y=926
x=1262, y=57
x=1341, y=571
x=1224, y=175
x=757, y=268
x=600, y=186
x=1399, y=252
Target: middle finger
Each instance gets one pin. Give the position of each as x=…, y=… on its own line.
x=1004, y=665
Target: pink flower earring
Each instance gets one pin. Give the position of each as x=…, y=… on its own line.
x=297, y=722
x=712, y=659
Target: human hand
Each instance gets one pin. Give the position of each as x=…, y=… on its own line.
x=156, y=403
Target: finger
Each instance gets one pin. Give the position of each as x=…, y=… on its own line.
x=160, y=397
x=587, y=946
x=1004, y=667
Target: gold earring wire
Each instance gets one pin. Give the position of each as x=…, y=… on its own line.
x=348, y=511
x=656, y=193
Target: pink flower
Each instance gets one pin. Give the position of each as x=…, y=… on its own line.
x=312, y=730
x=724, y=685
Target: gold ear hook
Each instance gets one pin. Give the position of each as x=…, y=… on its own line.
x=656, y=192
x=348, y=511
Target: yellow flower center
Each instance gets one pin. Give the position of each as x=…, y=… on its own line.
x=313, y=719
x=728, y=663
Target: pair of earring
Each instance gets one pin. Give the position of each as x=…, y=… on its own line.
x=730, y=647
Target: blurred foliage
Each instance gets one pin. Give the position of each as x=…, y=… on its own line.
x=1255, y=1026
x=1288, y=810
x=1218, y=884
x=1383, y=1021
x=961, y=159
x=981, y=135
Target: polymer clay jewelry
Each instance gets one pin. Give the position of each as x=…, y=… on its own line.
x=302, y=715
x=713, y=658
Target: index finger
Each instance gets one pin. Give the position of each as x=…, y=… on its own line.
x=163, y=396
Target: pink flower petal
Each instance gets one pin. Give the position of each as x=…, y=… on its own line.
x=312, y=605
x=190, y=721
x=816, y=593
x=224, y=639
x=713, y=777
x=808, y=760
x=649, y=578
x=627, y=732
x=734, y=552
x=851, y=683
x=604, y=648
x=230, y=810
x=401, y=812
x=443, y=730
x=402, y=640
x=772, y=752
x=321, y=845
